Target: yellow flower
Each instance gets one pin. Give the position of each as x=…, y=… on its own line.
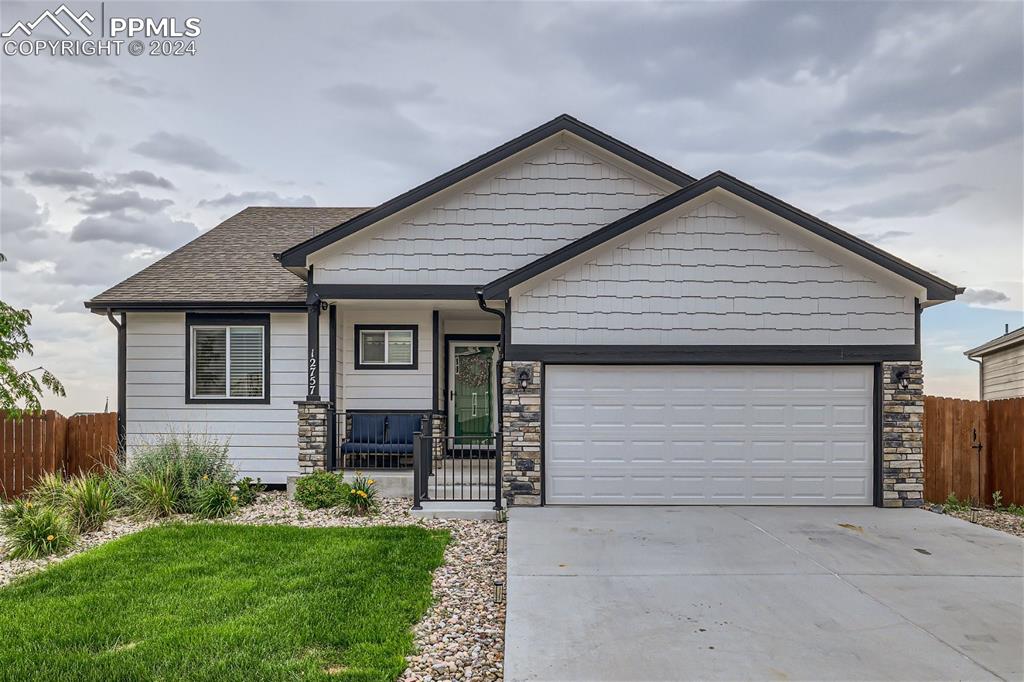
x=234, y=498
x=370, y=482
x=205, y=477
x=28, y=505
x=361, y=493
x=49, y=538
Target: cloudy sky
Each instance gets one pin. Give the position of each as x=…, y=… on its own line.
x=901, y=123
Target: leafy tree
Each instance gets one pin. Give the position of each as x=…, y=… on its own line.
x=20, y=391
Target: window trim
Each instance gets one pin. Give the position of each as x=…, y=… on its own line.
x=357, y=344
x=220, y=320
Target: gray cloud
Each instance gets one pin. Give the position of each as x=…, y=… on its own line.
x=909, y=204
x=847, y=141
x=143, y=178
x=18, y=120
x=266, y=198
x=185, y=150
x=20, y=212
x=886, y=236
x=157, y=231
x=110, y=202
x=132, y=88
x=983, y=297
x=63, y=179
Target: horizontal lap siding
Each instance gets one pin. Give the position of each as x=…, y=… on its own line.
x=494, y=225
x=386, y=389
x=711, y=277
x=1003, y=374
x=262, y=439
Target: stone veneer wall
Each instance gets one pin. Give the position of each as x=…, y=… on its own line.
x=521, y=416
x=439, y=433
x=312, y=436
x=902, y=437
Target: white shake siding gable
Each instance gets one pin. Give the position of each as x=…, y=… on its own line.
x=261, y=438
x=487, y=226
x=711, y=275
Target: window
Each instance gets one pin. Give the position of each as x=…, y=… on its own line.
x=385, y=347
x=228, y=359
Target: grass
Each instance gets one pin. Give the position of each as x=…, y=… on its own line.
x=222, y=602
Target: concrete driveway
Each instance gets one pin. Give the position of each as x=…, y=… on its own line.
x=766, y=593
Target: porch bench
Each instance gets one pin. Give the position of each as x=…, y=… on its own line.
x=374, y=434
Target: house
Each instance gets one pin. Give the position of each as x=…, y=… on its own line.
x=1000, y=365
x=618, y=331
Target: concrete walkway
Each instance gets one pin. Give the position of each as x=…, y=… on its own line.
x=760, y=593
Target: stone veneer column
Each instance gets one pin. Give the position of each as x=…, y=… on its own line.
x=312, y=435
x=902, y=436
x=521, y=414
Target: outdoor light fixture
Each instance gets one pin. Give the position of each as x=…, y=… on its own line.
x=524, y=378
x=499, y=591
x=901, y=375
x=502, y=540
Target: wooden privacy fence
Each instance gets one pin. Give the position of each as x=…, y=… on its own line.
x=973, y=448
x=51, y=442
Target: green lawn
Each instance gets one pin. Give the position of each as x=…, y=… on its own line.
x=220, y=602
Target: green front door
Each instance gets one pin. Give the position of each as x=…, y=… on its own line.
x=473, y=393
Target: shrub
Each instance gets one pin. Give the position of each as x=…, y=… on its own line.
x=12, y=513
x=50, y=490
x=246, y=489
x=361, y=496
x=153, y=495
x=35, y=531
x=89, y=503
x=997, y=500
x=1015, y=509
x=214, y=500
x=320, y=490
x=163, y=478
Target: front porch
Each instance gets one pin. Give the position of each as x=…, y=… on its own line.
x=407, y=392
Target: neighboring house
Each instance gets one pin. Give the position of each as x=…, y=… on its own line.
x=636, y=335
x=1000, y=366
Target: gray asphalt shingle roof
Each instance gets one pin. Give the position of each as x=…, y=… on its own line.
x=232, y=263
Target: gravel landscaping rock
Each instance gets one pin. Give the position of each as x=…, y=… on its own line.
x=990, y=518
x=462, y=636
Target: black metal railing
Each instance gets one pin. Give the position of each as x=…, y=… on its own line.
x=457, y=469
x=378, y=440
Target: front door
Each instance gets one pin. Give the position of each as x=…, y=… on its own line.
x=471, y=372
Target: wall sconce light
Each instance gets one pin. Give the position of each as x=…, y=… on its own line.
x=901, y=375
x=499, y=591
x=524, y=378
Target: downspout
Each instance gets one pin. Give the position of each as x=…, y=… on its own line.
x=981, y=377
x=499, y=454
x=122, y=380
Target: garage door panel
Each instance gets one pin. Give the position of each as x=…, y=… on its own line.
x=734, y=435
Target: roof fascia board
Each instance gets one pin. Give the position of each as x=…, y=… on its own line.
x=102, y=307
x=296, y=255
x=1002, y=343
x=407, y=292
x=937, y=289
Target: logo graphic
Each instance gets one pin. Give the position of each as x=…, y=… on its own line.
x=28, y=27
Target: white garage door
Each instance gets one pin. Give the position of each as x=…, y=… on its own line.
x=708, y=435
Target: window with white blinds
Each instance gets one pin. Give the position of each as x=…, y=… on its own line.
x=228, y=361
x=386, y=347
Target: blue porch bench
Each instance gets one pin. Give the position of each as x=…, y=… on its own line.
x=380, y=440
